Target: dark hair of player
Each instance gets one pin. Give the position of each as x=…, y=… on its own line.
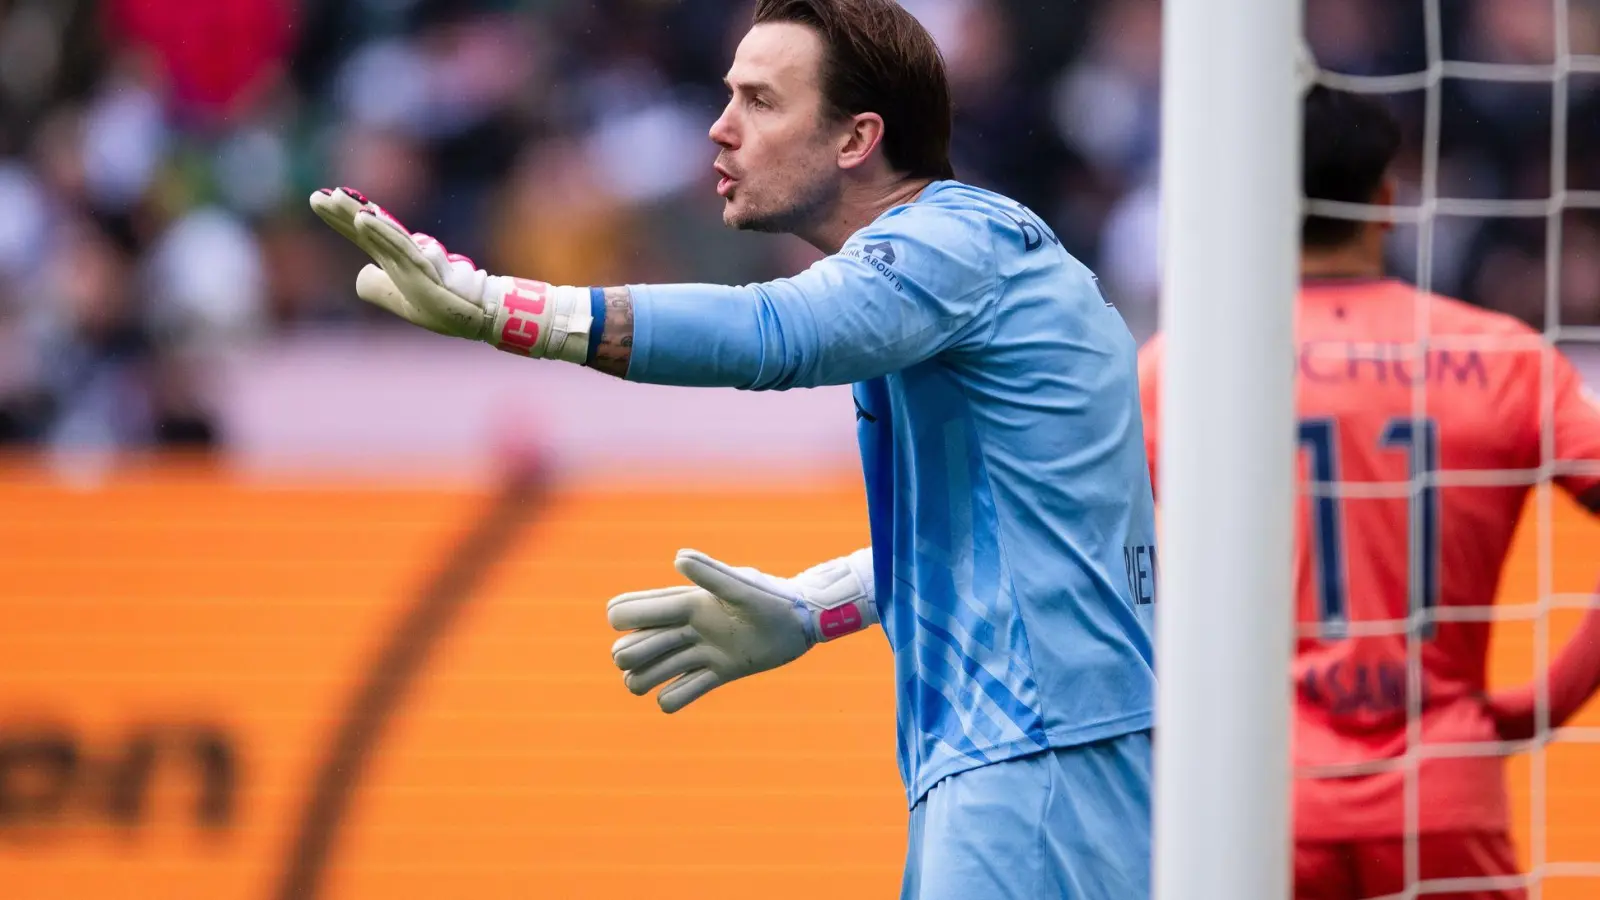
x=878, y=58
x=1350, y=140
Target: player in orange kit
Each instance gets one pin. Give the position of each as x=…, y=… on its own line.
x=1378, y=412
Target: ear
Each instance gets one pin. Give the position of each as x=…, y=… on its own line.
x=863, y=133
x=1384, y=196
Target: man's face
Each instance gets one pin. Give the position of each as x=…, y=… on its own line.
x=777, y=167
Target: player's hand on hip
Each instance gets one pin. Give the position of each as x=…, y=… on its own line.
x=416, y=278
x=730, y=623
x=1513, y=714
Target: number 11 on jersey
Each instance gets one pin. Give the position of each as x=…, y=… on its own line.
x=1419, y=439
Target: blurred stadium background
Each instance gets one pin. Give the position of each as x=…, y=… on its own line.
x=281, y=615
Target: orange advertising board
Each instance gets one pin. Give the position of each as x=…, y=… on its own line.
x=216, y=689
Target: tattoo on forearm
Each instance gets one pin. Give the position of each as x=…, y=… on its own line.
x=616, y=341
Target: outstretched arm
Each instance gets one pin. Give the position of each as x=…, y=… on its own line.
x=891, y=298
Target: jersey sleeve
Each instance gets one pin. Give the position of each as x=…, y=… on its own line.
x=1576, y=419
x=1149, y=400
x=906, y=288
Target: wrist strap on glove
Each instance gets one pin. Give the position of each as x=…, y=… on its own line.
x=837, y=597
x=532, y=318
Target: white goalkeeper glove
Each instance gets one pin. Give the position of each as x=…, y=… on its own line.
x=420, y=281
x=734, y=622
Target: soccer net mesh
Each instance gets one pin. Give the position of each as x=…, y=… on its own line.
x=1479, y=83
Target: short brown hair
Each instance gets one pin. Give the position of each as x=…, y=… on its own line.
x=878, y=58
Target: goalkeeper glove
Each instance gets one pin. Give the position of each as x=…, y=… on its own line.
x=734, y=622
x=420, y=281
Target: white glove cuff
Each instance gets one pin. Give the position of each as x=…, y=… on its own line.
x=838, y=596
x=531, y=318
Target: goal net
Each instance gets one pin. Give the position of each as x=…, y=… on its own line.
x=1499, y=203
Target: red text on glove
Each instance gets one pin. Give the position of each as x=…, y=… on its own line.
x=839, y=621
x=525, y=301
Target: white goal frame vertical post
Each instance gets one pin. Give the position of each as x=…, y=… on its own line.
x=1230, y=192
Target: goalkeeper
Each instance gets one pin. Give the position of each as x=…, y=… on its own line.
x=996, y=392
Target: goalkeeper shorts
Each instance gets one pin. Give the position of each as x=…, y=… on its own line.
x=1070, y=822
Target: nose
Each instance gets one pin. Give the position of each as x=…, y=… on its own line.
x=724, y=132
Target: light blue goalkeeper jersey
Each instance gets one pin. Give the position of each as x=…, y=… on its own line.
x=998, y=416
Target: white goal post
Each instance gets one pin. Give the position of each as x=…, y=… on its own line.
x=1230, y=194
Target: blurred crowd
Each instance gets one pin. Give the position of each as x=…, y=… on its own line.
x=155, y=156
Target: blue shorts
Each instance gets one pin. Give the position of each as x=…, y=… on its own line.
x=1068, y=823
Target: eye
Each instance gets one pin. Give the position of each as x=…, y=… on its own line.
x=759, y=103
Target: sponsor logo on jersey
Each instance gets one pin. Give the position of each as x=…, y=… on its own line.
x=882, y=250
x=879, y=256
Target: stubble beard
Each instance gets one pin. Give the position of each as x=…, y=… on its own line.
x=799, y=213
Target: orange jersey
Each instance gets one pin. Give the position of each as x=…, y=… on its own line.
x=1378, y=538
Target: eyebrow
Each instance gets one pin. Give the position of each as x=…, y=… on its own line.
x=753, y=87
